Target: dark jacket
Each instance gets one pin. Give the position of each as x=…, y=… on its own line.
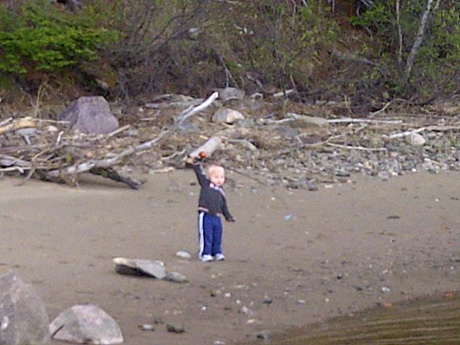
x=212, y=198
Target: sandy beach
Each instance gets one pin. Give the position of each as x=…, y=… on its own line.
x=293, y=256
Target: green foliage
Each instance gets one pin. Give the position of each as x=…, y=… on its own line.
x=436, y=63
x=40, y=37
x=145, y=46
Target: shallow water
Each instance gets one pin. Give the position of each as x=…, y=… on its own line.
x=432, y=320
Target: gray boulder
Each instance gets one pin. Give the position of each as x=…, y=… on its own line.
x=23, y=317
x=90, y=115
x=86, y=324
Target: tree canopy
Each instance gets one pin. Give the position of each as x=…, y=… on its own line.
x=322, y=49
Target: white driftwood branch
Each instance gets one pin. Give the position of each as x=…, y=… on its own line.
x=6, y=121
x=26, y=122
x=360, y=148
x=380, y=110
x=405, y=134
x=175, y=154
x=21, y=170
x=332, y=121
x=192, y=111
x=284, y=93
x=350, y=120
x=9, y=161
x=119, y=130
x=421, y=129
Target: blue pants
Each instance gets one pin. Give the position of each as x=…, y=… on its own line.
x=209, y=234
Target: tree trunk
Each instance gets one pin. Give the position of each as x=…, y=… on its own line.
x=418, y=39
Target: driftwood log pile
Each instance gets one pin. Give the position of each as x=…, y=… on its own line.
x=294, y=146
x=47, y=150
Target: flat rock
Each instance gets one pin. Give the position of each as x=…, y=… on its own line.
x=90, y=115
x=140, y=267
x=176, y=277
x=23, y=317
x=226, y=115
x=86, y=324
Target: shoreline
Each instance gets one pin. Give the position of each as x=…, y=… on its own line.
x=393, y=320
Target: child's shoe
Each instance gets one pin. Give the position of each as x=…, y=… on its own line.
x=206, y=258
x=220, y=257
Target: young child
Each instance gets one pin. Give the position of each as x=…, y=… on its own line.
x=211, y=206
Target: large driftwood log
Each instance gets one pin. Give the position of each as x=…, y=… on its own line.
x=208, y=147
x=26, y=122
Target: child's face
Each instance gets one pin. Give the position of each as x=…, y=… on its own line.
x=217, y=175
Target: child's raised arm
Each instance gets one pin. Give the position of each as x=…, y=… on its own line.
x=195, y=163
x=200, y=175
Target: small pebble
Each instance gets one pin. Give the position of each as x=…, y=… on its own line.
x=264, y=335
x=147, y=327
x=268, y=300
x=184, y=255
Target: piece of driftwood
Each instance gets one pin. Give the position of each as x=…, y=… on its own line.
x=406, y=133
x=359, y=148
x=26, y=122
x=294, y=117
x=208, y=147
x=374, y=113
x=422, y=129
x=353, y=120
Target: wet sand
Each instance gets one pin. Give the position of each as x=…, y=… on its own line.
x=293, y=257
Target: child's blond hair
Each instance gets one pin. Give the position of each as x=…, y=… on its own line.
x=213, y=168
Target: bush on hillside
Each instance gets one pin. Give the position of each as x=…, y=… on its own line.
x=39, y=37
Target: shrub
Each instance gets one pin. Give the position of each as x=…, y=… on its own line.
x=40, y=37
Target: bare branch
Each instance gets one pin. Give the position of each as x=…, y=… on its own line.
x=400, y=37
